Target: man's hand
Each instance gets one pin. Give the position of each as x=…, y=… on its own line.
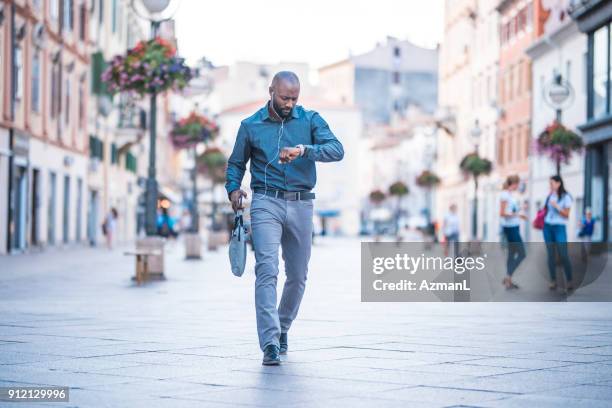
x=235, y=198
x=289, y=154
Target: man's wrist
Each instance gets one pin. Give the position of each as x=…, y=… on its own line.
x=302, y=149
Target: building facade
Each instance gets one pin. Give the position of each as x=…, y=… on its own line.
x=68, y=151
x=384, y=81
x=456, y=120
x=560, y=52
x=594, y=19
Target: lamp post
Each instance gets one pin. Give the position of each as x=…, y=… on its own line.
x=476, y=132
x=154, y=7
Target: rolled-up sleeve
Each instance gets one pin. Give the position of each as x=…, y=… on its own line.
x=326, y=147
x=236, y=164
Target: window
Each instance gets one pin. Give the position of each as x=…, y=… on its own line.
x=522, y=19
x=55, y=90
x=18, y=74
x=114, y=154
x=54, y=9
x=82, y=21
x=36, y=82
x=519, y=78
x=518, y=140
x=527, y=140
x=68, y=16
x=67, y=105
x=82, y=116
x=528, y=81
x=510, y=82
x=101, y=11
x=51, y=209
x=529, y=16
x=397, y=52
x=114, y=16
x=599, y=91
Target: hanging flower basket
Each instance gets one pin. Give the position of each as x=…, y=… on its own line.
x=192, y=130
x=150, y=67
x=213, y=164
x=558, y=143
x=427, y=179
x=473, y=164
x=377, y=196
x=398, y=189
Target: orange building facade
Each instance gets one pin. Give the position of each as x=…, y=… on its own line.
x=521, y=23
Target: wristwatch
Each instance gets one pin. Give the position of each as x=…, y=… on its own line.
x=302, y=149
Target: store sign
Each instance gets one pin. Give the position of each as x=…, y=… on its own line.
x=559, y=94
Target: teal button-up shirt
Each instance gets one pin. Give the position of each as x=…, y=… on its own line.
x=258, y=141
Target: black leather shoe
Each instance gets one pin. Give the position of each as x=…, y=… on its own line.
x=271, y=355
x=284, y=346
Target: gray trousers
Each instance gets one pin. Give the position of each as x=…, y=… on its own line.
x=278, y=222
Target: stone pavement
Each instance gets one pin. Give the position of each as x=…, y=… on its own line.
x=73, y=317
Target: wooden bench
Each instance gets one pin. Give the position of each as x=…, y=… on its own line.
x=142, y=263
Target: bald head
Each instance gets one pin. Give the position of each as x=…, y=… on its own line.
x=284, y=92
x=285, y=76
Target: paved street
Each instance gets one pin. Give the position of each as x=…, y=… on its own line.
x=74, y=318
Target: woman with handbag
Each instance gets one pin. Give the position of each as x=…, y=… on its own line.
x=558, y=204
x=510, y=222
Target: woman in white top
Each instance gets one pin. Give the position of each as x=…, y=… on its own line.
x=510, y=222
x=558, y=204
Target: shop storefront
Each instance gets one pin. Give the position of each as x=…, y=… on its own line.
x=594, y=19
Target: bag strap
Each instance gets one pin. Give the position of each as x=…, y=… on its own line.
x=546, y=202
x=238, y=220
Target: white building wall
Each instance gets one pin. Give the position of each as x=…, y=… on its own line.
x=565, y=54
x=48, y=158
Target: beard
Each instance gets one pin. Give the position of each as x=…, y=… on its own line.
x=281, y=111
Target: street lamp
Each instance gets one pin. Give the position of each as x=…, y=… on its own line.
x=476, y=133
x=154, y=7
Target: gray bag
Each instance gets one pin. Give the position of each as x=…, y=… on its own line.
x=238, y=245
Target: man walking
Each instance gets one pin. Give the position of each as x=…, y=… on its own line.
x=282, y=140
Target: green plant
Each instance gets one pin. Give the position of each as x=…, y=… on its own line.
x=398, y=189
x=150, y=67
x=377, y=196
x=474, y=165
x=559, y=143
x=427, y=179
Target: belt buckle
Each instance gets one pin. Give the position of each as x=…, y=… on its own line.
x=291, y=195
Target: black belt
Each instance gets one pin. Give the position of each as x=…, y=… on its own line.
x=287, y=195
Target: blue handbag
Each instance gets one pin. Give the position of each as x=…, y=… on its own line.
x=238, y=245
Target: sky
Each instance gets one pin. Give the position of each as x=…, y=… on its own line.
x=318, y=32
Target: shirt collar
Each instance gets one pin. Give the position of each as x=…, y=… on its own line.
x=265, y=114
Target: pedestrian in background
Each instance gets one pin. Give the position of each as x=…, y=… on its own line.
x=165, y=224
x=109, y=226
x=558, y=204
x=450, y=229
x=510, y=223
x=585, y=231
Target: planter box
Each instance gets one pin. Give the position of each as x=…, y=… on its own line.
x=193, y=246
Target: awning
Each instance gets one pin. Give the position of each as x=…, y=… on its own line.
x=328, y=213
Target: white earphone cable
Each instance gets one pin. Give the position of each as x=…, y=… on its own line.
x=280, y=135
